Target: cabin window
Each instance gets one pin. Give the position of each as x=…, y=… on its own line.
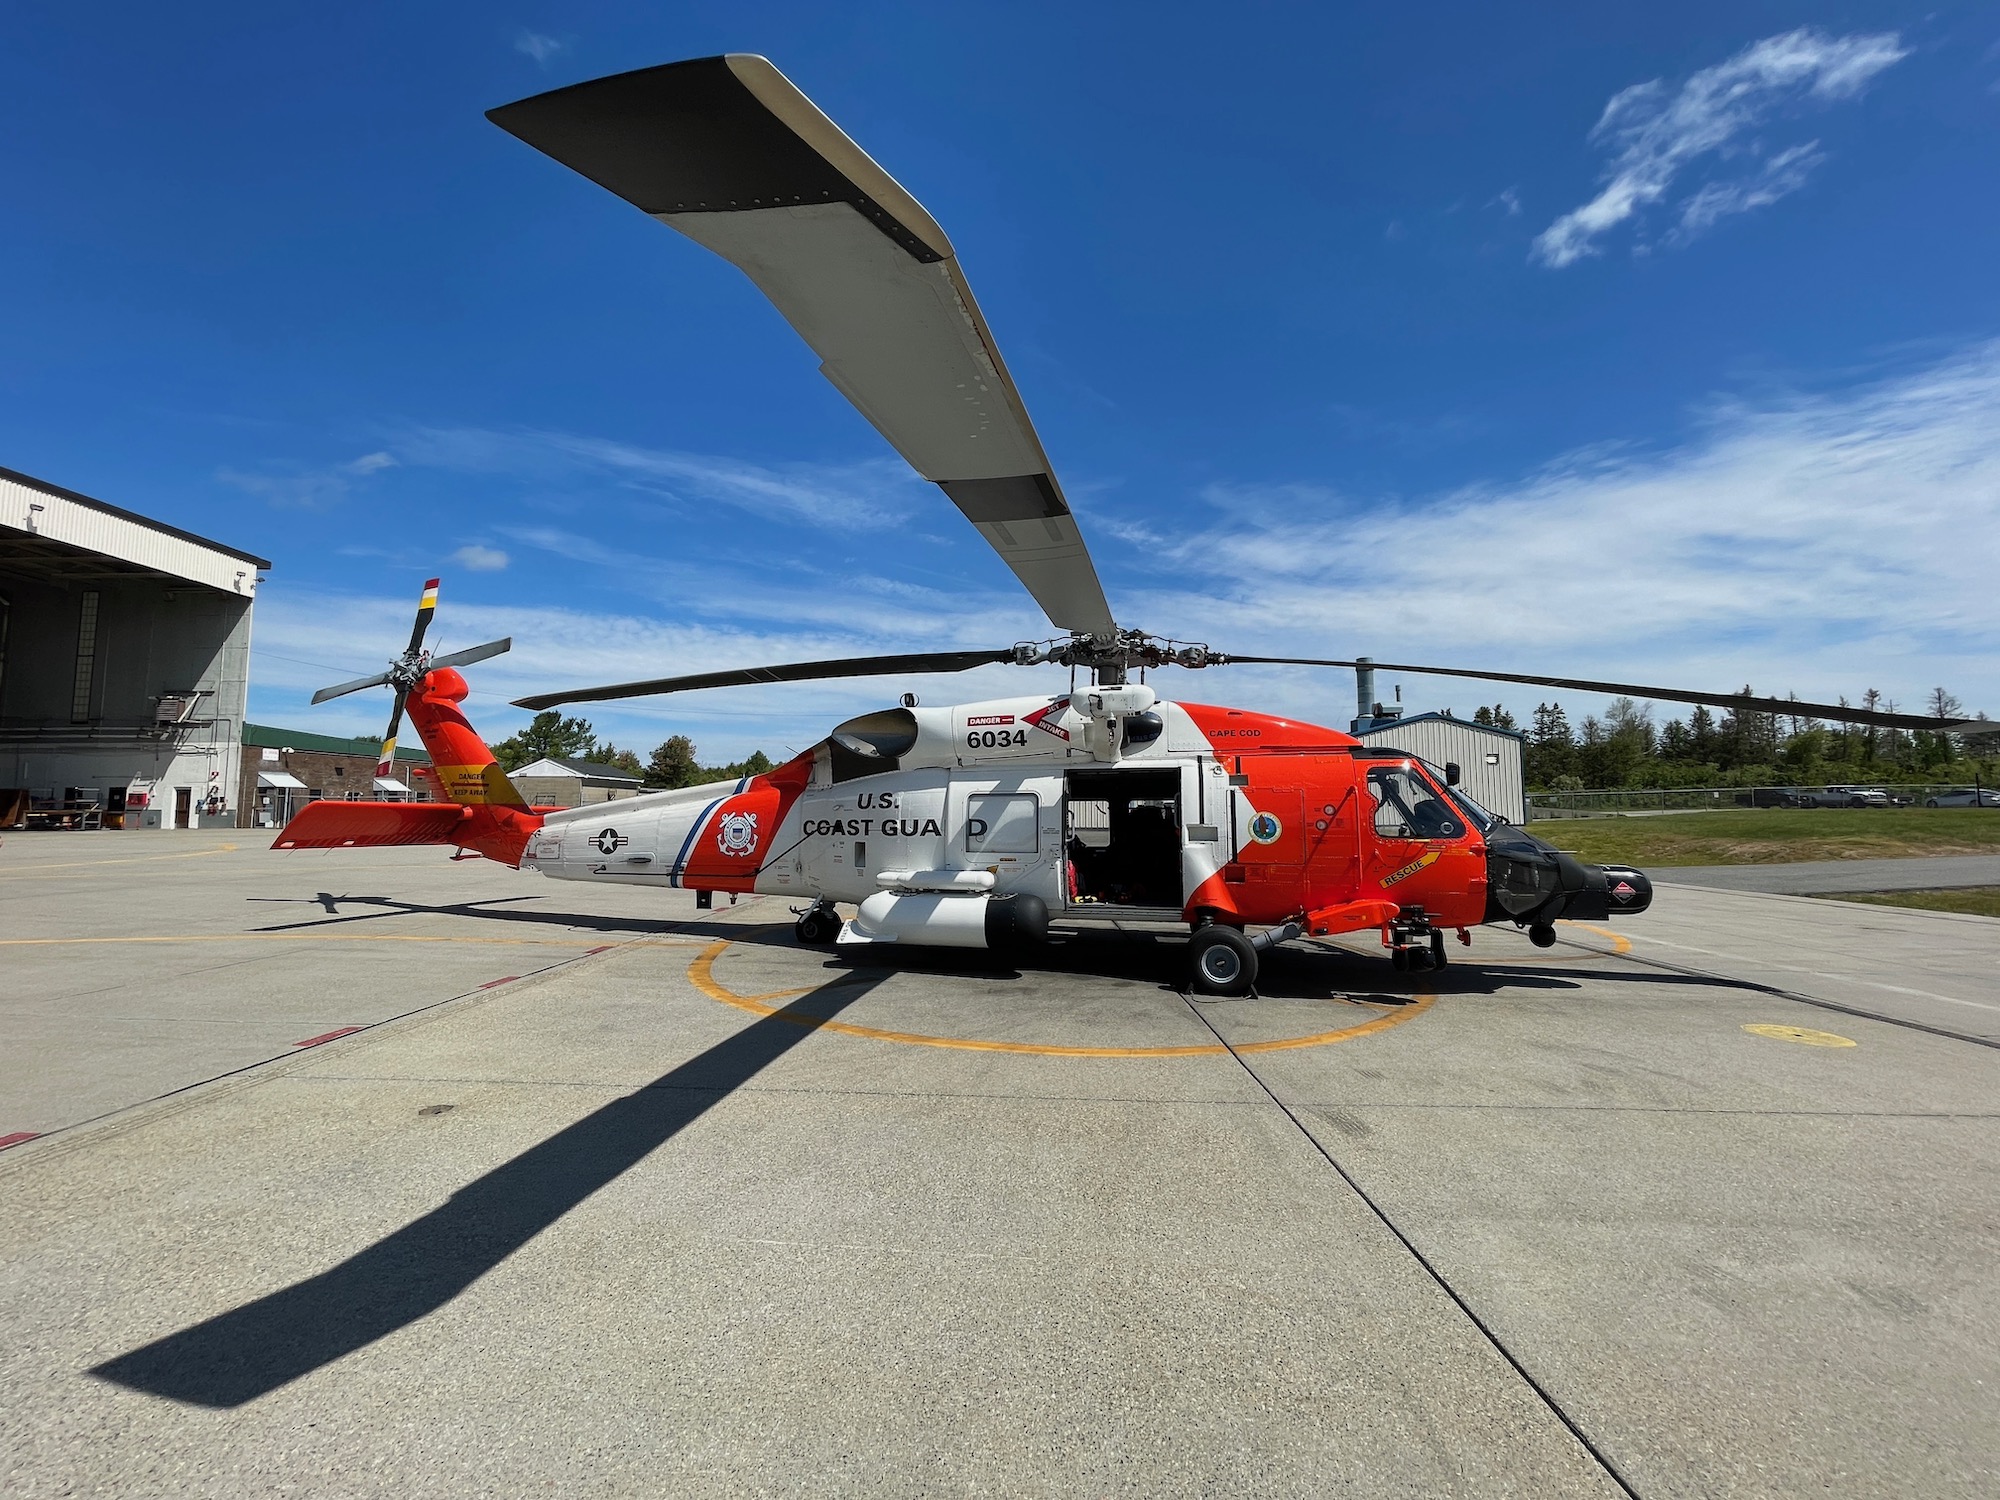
x=1407, y=807
x=1001, y=824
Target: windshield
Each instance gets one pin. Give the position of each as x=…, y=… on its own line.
x=1483, y=820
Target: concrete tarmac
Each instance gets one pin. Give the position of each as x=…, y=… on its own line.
x=685, y=1208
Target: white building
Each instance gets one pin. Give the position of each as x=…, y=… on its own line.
x=1489, y=759
x=558, y=781
x=124, y=661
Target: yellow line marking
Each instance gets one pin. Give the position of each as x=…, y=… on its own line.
x=702, y=974
x=1801, y=1034
x=1620, y=944
x=138, y=859
x=329, y=937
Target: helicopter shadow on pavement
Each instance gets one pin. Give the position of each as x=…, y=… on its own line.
x=490, y=910
x=254, y=1349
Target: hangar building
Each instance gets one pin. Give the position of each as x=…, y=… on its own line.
x=124, y=662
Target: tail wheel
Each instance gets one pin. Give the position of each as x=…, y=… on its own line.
x=1221, y=962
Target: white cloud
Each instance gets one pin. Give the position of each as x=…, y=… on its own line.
x=1818, y=543
x=307, y=489
x=1657, y=133
x=480, y=559
x=534, y=44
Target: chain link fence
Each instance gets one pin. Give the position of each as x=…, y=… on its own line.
x=1600, y=804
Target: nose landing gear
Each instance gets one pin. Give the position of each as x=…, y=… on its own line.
x=1413, y=943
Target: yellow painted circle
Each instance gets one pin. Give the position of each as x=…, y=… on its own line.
x=701, y=973
x=1803, y=1035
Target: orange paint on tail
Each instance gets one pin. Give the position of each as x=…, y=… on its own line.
x=485, y=813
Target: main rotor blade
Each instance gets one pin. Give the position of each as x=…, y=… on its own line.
x=350, y=687
x=472, y=654
x=727, y=151
x=798, y=671
x=1742, y=702
x=426, y=607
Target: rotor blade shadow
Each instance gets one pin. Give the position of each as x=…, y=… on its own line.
x=254, y=1349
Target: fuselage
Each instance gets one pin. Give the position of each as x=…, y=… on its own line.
x=1179, y=811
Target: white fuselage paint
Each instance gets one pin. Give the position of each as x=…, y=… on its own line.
x=838, y=837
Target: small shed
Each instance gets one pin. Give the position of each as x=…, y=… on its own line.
x=1489, y=759
x=557, y=781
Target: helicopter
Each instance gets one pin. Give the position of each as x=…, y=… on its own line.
x=976, y=825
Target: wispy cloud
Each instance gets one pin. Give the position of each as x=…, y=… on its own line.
x=872, y=494
x=307, y=489
x=1656, y=133
x=480, y=559
x=534, y=44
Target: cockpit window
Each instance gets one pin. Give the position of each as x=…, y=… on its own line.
x=1408, y=807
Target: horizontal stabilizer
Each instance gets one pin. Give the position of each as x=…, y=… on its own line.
x=368, y=825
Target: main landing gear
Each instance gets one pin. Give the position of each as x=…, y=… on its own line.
x=1223, y=961
x=818, y=925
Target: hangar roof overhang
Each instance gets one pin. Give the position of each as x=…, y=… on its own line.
x=57, y=534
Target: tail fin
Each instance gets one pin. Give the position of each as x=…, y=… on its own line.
x=467, y=771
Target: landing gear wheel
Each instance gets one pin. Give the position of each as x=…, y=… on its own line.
x=1221, y=962
x=1542, y=935
x=1399, y=959
x=819, y=926
x=1437, y=950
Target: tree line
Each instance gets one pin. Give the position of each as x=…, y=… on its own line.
x=673, y=763
x=1628, y=749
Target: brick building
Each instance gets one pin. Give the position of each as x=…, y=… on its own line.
x=283, y=769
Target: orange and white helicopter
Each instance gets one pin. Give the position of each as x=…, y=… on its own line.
x=976, y=825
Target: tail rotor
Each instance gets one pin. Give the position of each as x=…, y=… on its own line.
x=409, y=669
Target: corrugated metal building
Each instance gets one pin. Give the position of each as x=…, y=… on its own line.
x=1489, y=759
x=124, y=660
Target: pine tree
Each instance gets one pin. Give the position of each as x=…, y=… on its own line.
x=548, y=736
x=673, y=764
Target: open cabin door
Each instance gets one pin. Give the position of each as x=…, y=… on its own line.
x=1122, y=838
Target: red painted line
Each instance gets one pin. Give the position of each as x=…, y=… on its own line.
x=605, y=949
x=17, y=1137
x=314, y=1041
x=495, y=983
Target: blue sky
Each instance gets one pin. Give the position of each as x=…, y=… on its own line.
x=1658, y=343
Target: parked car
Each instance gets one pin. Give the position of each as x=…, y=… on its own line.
x=1833, y=796
x=1964, y=796
x=1771, y=796
x=1860, y=796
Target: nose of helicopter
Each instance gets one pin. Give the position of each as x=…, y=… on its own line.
x=1531, y=882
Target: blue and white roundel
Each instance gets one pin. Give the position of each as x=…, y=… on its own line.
x=1265, y=828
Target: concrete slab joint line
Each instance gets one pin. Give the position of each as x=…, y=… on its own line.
x=1542, y=1394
